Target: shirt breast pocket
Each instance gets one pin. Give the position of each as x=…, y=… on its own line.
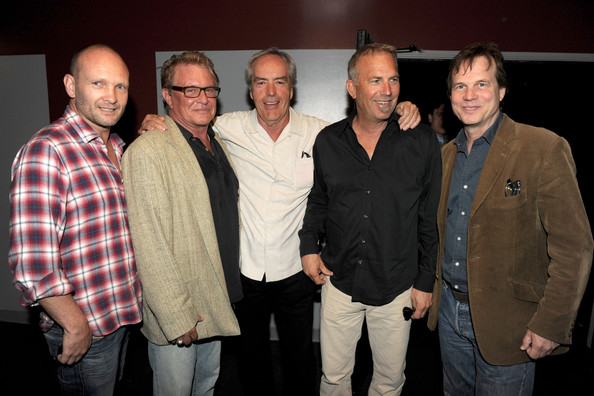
x=304, y=170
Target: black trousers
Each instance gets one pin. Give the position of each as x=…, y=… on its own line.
x=291, y=302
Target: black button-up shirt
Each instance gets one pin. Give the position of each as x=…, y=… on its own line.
x=378, y=216
x=465, y=178
x=223, y=190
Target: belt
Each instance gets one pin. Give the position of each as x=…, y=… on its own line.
x=460, y=296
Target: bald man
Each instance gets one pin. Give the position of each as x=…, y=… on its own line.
x=70, y=246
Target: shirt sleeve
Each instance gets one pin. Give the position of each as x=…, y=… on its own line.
x=36, y=223
x=427, y=220
x=315, y=213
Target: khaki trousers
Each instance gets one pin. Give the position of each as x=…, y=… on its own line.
x=340, y=329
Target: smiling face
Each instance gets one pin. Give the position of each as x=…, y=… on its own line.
x=376, y=88
x=476, y=95
x=271, y=91
x=98, y=88
x=194, y=114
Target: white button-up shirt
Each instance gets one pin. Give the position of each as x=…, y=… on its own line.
x=274, y=181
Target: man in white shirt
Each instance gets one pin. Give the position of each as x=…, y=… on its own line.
x=271, y=148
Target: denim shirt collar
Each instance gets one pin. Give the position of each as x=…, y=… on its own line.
x=488, y=136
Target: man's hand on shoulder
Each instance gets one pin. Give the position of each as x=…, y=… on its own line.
x=409, y=114
x=152, y=122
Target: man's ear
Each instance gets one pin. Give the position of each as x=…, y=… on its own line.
x=502, y=92
x=351, y=88
x=166, y=93
x=69, y=84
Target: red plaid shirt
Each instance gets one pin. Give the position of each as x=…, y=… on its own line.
x=69, y=229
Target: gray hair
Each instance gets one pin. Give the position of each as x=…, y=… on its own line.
x=291, y=67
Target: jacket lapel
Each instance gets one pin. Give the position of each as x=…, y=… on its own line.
x=197, y=189
x=498, y=156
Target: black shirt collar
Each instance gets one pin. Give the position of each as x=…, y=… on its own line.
x=394, y=117
x=188, y=135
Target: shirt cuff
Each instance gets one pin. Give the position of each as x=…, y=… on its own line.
x=425, y=282
x=308, y=247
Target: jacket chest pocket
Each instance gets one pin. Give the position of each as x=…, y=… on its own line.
x=509, y=195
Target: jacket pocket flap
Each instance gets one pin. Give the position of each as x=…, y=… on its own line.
x=527, y=291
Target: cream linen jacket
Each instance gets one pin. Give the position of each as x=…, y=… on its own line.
x=174, y=239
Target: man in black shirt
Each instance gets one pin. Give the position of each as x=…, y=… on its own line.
x=374, y=201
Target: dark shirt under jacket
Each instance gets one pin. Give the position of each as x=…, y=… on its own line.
x=223, y=190
x=378, y=216
x=465, y=178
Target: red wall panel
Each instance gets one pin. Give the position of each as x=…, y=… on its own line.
x=139, y=28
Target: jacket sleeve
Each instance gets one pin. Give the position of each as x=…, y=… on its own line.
x=569, y=245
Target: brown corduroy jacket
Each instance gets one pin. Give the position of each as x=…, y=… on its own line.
x=529, y=255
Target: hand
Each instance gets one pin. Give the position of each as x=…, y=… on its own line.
x=314, y=267
x=75, y=343
x=188, y=338
x=152, y=122
x=409, y=115
x=536, y=346
x=421, y=302
x=77, y=337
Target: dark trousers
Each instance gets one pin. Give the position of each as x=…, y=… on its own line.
x=291, y=302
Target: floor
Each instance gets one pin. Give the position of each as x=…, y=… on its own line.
x=27, y=365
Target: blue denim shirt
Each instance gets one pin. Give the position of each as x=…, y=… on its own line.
x=465, y=177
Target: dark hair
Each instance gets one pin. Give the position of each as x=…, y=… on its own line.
x=466, y=57
x=366, y=50
x=291, y=67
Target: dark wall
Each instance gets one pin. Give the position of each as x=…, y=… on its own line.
x=139, y=28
